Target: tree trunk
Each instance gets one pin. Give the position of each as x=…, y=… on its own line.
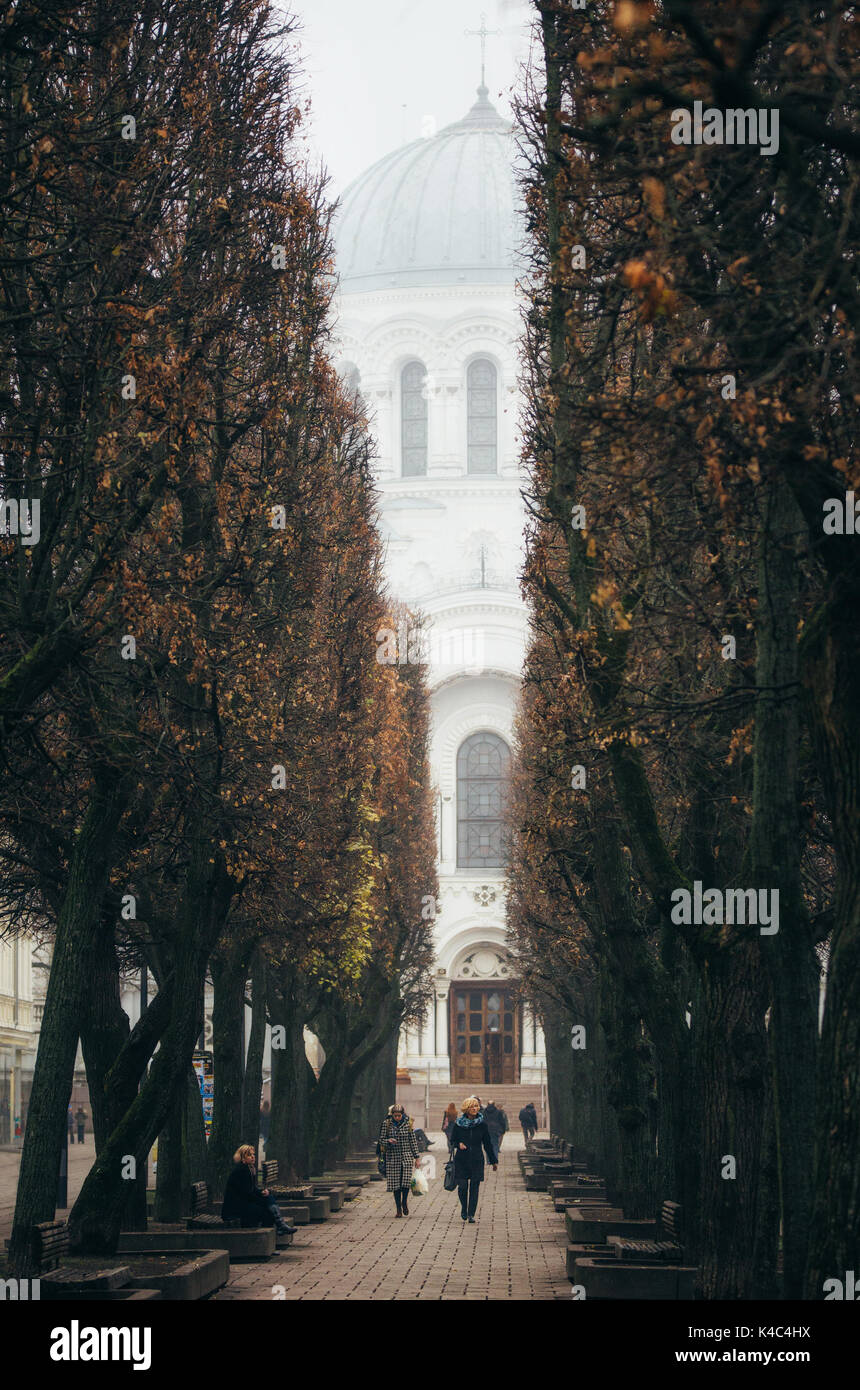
x=766, y=1242
x=252, y=1088
x=73, y=961
x=732, y=1082
x=169, y=1195
x=775, y=848
x=104, y=1032
x=96, y=1217
x=629, y=1084
x=229, y=976
x=292, y=1081
x=831, y=652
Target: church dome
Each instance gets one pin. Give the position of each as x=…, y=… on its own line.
x=439, y=211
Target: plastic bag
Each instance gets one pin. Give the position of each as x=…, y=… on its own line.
x=420, y=1186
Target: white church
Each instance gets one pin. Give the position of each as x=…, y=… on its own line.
x=428, y=318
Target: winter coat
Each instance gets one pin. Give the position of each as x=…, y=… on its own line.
x=399, y=1156
x=242, y=1199
x=478, y=1141
x=497, y=1120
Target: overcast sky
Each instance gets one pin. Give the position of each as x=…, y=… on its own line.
x=378, y=71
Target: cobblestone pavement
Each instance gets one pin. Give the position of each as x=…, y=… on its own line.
x=514, y=1251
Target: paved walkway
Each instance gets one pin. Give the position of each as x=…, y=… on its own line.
x=515, y=1250
x=81, y=1159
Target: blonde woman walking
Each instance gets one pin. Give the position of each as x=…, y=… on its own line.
x=470, y=1140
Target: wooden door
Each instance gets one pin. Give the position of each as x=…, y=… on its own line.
x=485, y=1036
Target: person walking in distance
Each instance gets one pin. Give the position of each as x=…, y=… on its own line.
x=528, y=1127
x=497, y=1124
x=81, y=1119
x=398, y=1148
x=449, y=1119
x=471, y=1140
x=533, y=1119
x=265, y=1121
x=71, y=1122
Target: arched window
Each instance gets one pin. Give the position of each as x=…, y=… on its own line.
x=483, y=772
x=481, y=384
x=413, y=420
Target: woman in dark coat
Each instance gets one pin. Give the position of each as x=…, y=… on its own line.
x=449, y=1119
x=244, y=1201
x=399, y=1148
x=470, y=1140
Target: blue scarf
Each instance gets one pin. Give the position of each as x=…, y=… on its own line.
x=467, y=1120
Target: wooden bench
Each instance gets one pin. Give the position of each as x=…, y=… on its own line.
x=202, y=1213
x=50, y=1243
x=204, y=1218
x=269, y=1172
x=669, y=1249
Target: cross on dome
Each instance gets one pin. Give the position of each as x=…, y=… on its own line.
x=483, y=34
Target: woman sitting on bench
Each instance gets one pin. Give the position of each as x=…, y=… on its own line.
x=243, y=1201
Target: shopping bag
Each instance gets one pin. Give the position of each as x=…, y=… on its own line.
x=449, y=1182
x=420, y=1186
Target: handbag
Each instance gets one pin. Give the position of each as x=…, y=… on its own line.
x=380, y=1157
x=449, y=1182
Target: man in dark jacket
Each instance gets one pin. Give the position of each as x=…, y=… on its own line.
x=528, y=1120
x=497, y=1124
x=470, y=1140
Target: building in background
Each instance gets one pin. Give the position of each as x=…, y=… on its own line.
x=20, y=1014
x=428, y=319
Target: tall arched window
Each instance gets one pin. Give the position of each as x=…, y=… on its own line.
x=481, y=387
x=483, y=772
x=413, y=420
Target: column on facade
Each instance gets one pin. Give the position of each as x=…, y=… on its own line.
x=532, y=1062
x=381, y=398
x=448, y=860
x=446, y=460
x=442, y=1054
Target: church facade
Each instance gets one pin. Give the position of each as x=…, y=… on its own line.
x=428, y=319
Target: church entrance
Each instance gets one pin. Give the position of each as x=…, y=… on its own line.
x=485, y=1035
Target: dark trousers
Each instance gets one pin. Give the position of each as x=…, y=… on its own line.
x=80, y=1134
x=260, y=1211
x=401, y=1195
x=467, y=1191
x=497, y=1141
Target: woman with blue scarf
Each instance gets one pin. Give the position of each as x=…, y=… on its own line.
x=470, y=1140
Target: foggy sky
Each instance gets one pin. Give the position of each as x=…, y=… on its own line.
x=376, y=69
